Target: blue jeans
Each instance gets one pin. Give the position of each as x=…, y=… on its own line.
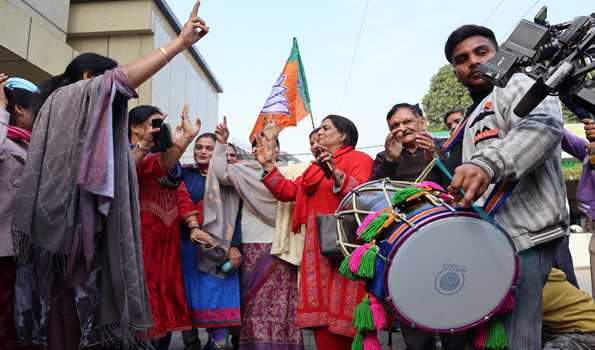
x=523, y=324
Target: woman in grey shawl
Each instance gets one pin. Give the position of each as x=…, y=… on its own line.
x=76, y=223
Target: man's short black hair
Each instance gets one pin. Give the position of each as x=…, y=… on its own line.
x=452, y=111
x=464, y=32
x=413, y=108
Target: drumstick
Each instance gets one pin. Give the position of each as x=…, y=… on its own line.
x=478, y=210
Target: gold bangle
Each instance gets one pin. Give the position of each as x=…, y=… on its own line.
x=164, y=54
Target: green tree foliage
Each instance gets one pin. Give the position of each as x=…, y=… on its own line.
x=445, y=93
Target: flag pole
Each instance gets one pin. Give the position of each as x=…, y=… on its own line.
x=312, y=118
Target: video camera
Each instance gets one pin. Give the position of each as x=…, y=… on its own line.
x=558, y=57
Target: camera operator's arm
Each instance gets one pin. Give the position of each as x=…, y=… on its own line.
x=529, y=141
x=185, y=133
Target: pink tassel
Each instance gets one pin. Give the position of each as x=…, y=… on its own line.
x=378, y=313
x=367, y=220
x=445, y=196
x=509, y=303
x=481, y=337
x=371, y=342
x=434, y=186
x=356, y=257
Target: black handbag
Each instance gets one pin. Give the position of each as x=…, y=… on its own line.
x=327, y=236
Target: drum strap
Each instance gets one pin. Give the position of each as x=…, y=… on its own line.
x=498, y=196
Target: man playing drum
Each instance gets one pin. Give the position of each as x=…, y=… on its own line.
x=500, y=146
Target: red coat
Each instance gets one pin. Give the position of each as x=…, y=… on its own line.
x=161, y=209
x=326, y=299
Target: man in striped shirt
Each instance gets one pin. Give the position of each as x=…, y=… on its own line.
x=500, y=146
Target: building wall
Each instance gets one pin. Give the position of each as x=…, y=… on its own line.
x=31, y=44
x=182, y=81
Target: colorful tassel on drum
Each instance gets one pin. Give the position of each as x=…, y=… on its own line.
x=432, y=185
x=378, y=313
x=355, y=259
x=344, y=269
x=358, y=342
x=362, y=316
x=371, y=342
x=402, y=195
x=508, y=304
x=481, y=337
x=368, y=263
x=367, y=220
x=372, y=229
x=497, y=339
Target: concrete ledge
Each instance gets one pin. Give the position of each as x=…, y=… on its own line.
x=110, y=17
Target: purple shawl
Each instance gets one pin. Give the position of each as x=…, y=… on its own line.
x=585, y=192
x=77, y=208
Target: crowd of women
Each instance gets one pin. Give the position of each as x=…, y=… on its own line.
x=107, y=241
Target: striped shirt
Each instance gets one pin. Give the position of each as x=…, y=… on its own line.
x=525, y=149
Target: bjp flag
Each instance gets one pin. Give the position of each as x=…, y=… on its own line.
x=289, y=101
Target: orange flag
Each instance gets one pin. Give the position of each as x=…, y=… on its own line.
x=289, y=101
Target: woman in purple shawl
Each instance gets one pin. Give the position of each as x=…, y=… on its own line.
x=76, y=226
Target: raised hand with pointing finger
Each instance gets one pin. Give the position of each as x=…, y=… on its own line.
x=222, y=132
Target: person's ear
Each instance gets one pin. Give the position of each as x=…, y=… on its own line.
x=20, y=111
x=87, y=75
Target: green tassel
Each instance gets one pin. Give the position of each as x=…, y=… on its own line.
x=358, y=341
x=401, y=195
x=497, y=339
x=368, y=264
x=345, y=271
x=362, y=317
x=372, y=229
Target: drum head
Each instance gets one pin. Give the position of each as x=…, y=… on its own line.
x=450, y=273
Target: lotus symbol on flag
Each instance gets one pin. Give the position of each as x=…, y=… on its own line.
x=277, y=102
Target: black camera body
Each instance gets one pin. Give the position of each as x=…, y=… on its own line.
x=558, y=57
x=163, y=139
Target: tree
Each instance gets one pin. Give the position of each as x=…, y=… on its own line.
x=445, y=93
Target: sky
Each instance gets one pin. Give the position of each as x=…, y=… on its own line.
x=401, y=47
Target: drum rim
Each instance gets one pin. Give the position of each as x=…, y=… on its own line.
x=339, y=213
x=406, y=234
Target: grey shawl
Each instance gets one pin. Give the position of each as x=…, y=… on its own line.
x=225, y=185
x=78, y=203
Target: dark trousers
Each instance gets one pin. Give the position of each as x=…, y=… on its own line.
x=563, y=261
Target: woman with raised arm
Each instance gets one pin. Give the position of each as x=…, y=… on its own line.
x=269, y=284
x=326, y=299
x=165, y=206
x=76, y=223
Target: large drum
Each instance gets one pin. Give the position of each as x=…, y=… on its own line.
x=442, y=269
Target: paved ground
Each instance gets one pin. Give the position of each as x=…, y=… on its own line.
x=583, y=276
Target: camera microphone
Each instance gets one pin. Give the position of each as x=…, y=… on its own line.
x=532, y=98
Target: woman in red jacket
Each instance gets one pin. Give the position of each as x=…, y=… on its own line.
x=326, y=299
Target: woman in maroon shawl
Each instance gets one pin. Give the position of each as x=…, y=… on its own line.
x=326, y=299
x=76, y=218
